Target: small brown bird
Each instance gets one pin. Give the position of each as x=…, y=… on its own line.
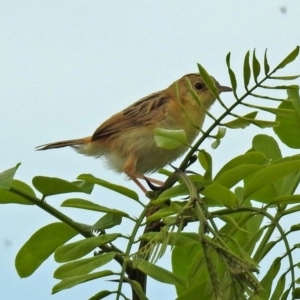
x=126, y=140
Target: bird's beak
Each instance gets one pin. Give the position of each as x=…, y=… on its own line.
x=222, y=88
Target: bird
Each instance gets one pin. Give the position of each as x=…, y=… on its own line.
x=126, y=140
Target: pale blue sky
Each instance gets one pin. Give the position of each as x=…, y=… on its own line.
x=66, y=66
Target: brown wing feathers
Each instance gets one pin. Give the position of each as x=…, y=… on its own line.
x=141, y=112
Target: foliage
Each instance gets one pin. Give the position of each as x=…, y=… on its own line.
x=237, y=211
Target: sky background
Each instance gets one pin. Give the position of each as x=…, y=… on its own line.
x=66, y=66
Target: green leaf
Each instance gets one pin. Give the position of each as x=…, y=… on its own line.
x=85, y=204
x=267, y=145
x=267, y=97
x=177, y=208
x=197, y=270
x=249, y=158
x=239, y=193
x=266, y=64
x=206, y=163
x=252, y=239
x=287, y=185
x=285, y=77
x=169, y=139
x=22, y=186
x=70, y=282
x=176, y=191
x=264, y=124
x=296, y=293
x=41, y=245
x=231, y=74
x=235, y=175
x=49, y=186
x=290, y=58
x=276, y=111
x=241, y=121
x=181, y=266
x=209, y=82
x=83, y=266
x=201, y=288
x=288, y=128
x=286, y=199
x=161, y=213
x=81, y=248
x=285, y=295
x=294, y=97
x=114, y=187
x=255, y=67
x=205, y=160
x=19, y=193
x=231, y=221
x=221, y=132
x=137, y=288
x=291, y=210
x=215, y=144
x=290, y=183
x=101, y=295
x=247, y=70
x=107, y=221
x=159, y=273
x=265, y=194
x=281, y=87
x=219, y=192
x=295, y=227
x=85, y=186
x=7, y=176
x=271, y=173
x=7, y=196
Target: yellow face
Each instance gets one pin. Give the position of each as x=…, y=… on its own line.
x=189, y=99
x=196, y=83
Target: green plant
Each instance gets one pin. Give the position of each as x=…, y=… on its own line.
x=236, y=212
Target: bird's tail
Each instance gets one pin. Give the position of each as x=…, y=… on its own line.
x=73, y=143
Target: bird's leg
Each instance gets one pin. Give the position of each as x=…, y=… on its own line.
x=134, y=179
x=152, y=180
x=129, y=170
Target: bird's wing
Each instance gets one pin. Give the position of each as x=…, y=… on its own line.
x=148, y=110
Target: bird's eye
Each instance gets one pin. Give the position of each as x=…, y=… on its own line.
x=199, y=86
